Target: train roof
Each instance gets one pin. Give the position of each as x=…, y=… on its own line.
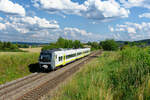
x=51, y=50
x=59, y=49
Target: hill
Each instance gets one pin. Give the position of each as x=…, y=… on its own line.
x=147, y=41
x=30, y=43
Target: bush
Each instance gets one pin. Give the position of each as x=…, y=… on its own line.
x=23, y=46
x=109, y=45
x=133, y=69
x=9, y=47
x=94, y=45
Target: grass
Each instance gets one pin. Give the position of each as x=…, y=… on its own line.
x=121, y=75
x=14, y=65
x=11, y=50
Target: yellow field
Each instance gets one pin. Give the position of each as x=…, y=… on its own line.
x=32, y=49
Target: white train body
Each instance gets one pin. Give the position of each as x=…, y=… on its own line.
x=50, y=59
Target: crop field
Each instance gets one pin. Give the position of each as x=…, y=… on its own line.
x=119, y=75
x=14, y=65
x=32, y=49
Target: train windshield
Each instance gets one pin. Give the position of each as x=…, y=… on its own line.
x=45, y=57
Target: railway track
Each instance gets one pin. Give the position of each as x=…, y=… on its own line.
x=36, y=85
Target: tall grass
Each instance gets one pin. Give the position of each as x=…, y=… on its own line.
x=122, y=75
x=15, y=65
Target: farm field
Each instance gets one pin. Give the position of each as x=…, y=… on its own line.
x=32, y=49
x=14, y=65
x=119, y=75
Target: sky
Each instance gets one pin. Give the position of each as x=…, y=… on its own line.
x=85, y=20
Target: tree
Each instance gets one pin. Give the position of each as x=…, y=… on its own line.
x=77, y=44
x=8, y=44
x=95, y=45
x=109, y=45
x=64, y=43
x=60, y=42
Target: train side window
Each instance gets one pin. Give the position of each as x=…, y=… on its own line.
x=79, y=53
x=59, y=58
x=70, y=56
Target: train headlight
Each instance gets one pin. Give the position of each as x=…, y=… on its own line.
x=45, y=66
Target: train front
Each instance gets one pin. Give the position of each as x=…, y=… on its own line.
x=45, y=60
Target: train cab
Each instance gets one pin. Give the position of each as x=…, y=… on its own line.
x=46, y=59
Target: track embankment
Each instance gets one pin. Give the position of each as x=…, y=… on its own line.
x=36, y=85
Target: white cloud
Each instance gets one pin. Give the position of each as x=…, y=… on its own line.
x=131, y=27
x=2, y=26
x=69, y=30
x=1, y=18
x=41, y=34
x=111, y=29
x=136, y=3
x=41, y=22
x=33, y=23
x=98, y=8
x=31, y=29
x=28, y=29
x=145, y=15
x=66, y=6
x=9, y=7
x=68, y=33
x=93, y=9
x=120, y=29
x=21, y=29
x=41, y=30
x=93, y=23
x=131, y=30
x=83, y=35
x=75, y=34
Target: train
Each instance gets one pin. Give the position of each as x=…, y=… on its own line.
x=51, y=59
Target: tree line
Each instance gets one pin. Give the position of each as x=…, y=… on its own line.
x=64, y=43
x=107, y=45
x=8, y=46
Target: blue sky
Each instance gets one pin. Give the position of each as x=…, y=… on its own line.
x=85, y=20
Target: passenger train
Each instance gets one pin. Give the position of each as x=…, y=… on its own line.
x=50, y=59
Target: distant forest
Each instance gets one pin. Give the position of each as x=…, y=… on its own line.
x=109, y=44
x=8, y=46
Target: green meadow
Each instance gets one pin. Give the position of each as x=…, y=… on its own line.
x=117, y=75
x=14, y=65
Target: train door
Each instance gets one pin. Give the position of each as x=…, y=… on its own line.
x=64, y=59
x=58, y=59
